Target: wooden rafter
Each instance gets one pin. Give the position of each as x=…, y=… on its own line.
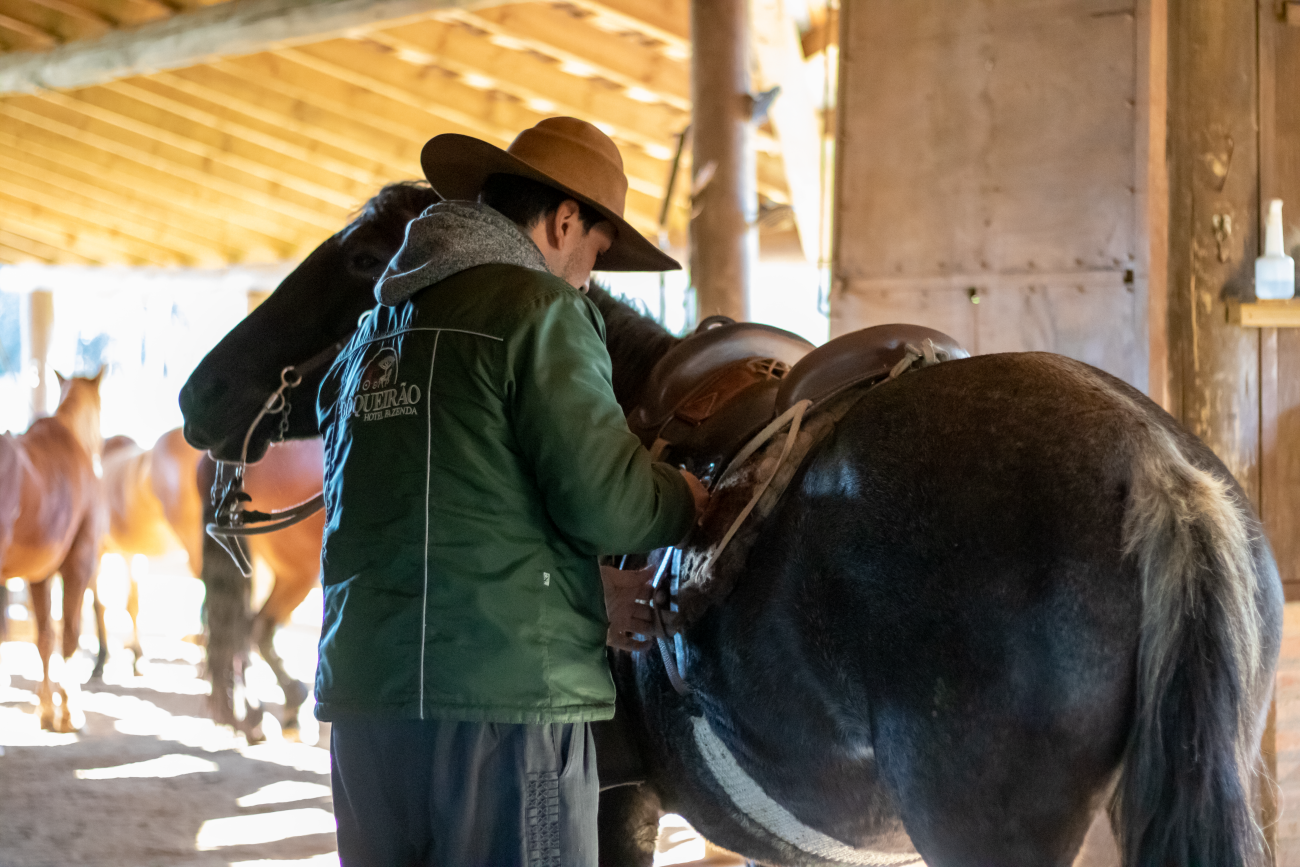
x=339, y=181
x=552, y=31
x=204, y=145
x=51, y=188
x=80, y=129
x=28, y=249
x=665, y=21
x=42, y=38
x=98, y=22
x=532, y=79
x=226, y=29
x=219, y=215
x=96, y=245
x=339, y=153
x=153, y=238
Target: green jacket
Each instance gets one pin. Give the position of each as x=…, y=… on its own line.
x=476, y=463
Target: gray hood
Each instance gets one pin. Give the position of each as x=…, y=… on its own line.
x=451, y=237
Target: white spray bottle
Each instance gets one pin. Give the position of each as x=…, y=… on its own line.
x=1275, y=270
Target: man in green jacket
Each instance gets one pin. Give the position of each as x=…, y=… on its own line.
x=476, y=463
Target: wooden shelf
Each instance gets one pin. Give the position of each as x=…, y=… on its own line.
x=1265, y=314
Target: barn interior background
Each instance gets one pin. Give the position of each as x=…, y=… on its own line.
x=1078, y=176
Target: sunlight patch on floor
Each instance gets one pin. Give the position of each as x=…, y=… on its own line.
x=328, y=860
x=22, y=728
x=173, y=765
x=300, y=757
x=284, y=792
x=678, y=842
x=263, y=828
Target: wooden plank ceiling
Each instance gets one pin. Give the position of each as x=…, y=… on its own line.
x=258, y=157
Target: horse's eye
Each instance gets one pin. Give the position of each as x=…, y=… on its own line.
x=364, y=261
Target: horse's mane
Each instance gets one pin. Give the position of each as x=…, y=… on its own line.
x=635, y=342
x=393, y=207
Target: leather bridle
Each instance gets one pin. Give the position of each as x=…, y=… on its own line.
x=232, y=519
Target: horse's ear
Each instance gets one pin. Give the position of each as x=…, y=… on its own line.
x=98, y=377
x=62, y=379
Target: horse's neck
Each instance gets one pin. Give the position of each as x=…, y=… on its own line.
x=82, y=419
x=635, y=346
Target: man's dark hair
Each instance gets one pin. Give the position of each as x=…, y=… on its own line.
x=525, y=201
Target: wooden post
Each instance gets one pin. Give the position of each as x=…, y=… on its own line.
x=724, y=241
x=1214, y=226
x=40, y=327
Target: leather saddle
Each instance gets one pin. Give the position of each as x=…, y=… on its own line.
x=719, y=387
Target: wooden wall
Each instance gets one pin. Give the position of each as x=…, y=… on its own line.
x=991, y=179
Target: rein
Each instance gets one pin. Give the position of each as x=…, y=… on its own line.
x=233, y=519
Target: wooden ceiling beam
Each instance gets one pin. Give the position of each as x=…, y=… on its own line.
x=42, y=39
x=204, y=145
x=53, y=114
x=155, y=241
x=664, y=21
x=100, y=247
x=52, y=188
x=96, y=20
x=309, y=141
x=496, y=118
x=226, y=29
x=134, y=183
x=28, y=249
x=533, y=79
x=556, y=32
x=320, y=175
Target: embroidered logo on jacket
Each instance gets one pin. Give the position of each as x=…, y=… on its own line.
x=380, y=394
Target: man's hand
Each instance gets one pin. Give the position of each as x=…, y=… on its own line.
x=627, y=595
x=699, y=492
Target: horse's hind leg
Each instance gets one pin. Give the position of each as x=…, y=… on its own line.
x=287, y=593
x=78, y=571
x=628, y=826
x=133, y=609
x=101, y=631
x=39, y=594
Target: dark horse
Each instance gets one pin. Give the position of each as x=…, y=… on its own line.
x=1002, y=591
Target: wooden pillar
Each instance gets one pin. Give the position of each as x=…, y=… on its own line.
x=724, y=240
x=1214, y=226
x=40, y=328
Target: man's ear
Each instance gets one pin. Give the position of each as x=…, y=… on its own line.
x=568, y=222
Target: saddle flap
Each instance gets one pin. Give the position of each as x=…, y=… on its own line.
x=676, y=382
x=858, y=356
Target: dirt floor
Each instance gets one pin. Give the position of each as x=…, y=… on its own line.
x=151, y=781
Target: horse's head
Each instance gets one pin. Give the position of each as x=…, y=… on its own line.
x=306, y=319
x=79, y=408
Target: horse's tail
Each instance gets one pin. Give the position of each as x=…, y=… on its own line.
x=1186, y=793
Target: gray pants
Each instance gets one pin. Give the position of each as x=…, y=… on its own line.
x=453, y=794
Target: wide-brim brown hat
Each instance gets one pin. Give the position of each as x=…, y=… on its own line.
x=562, y=152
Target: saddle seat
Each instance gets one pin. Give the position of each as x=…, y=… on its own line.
x=714, y=390
x=719, y=387
x=859, y=356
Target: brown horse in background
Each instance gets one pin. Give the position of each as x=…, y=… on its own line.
x=52, y=520
x=154, y=508
x=156, y=503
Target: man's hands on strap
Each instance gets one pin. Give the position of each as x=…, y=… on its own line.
x=632, y=624
x=627, y=603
